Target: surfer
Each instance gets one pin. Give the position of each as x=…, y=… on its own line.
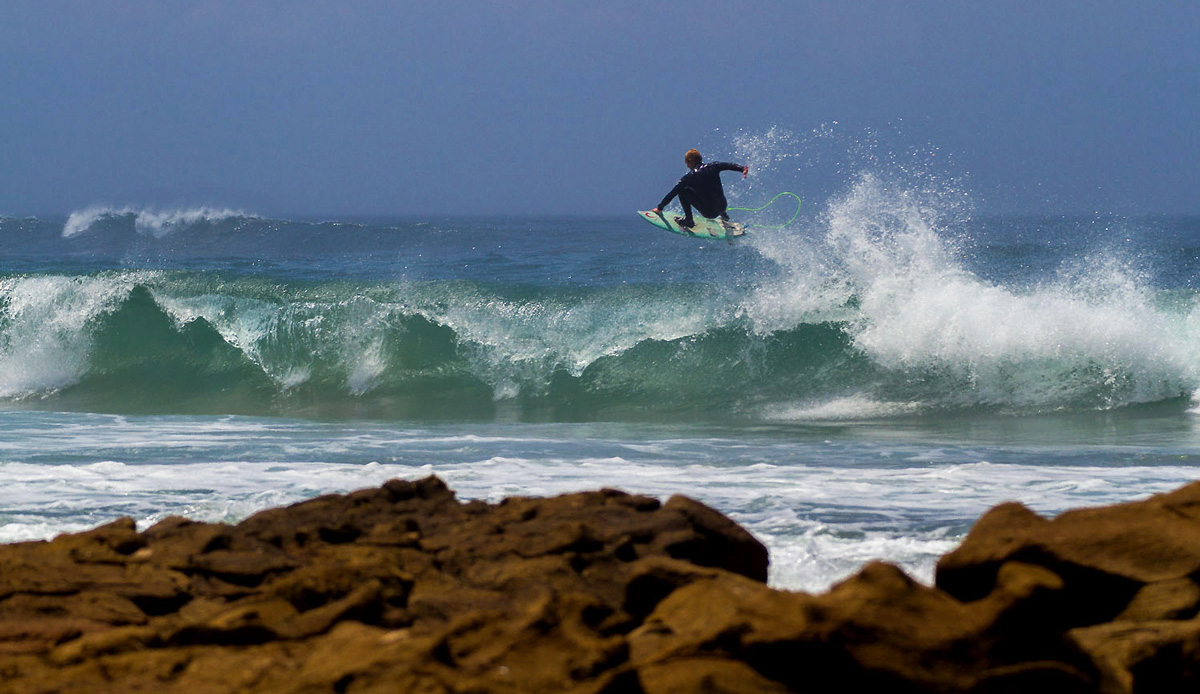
x=701, y=188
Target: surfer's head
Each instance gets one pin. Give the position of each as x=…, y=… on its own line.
x=693, y=158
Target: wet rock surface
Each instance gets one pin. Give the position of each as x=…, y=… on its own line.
x=405, y=588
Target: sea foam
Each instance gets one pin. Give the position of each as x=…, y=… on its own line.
x=884, y=258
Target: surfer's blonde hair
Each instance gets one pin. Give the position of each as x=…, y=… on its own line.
x=693, y=158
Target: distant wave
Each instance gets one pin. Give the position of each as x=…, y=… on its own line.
x=157, y=223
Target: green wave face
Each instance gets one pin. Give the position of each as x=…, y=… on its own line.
x=178, y=342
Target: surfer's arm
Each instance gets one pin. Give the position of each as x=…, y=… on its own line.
x=726, y=166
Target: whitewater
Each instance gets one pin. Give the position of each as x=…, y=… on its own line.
x=859, y=385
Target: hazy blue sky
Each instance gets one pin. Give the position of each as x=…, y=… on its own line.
x=337, y=107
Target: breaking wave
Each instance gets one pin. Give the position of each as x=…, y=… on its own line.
x=869, y=309
x=156, y=223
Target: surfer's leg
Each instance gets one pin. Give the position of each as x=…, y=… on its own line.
x=707, y=207
x=714, y=210
x=685, y=199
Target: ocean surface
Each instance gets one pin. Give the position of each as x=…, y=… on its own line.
x=860, y=384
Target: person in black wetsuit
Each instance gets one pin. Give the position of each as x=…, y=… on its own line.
x=701, y=188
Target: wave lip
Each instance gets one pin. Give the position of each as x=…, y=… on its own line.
x=156, y=223
x=45, y=323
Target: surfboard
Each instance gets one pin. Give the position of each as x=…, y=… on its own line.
x=705, y=228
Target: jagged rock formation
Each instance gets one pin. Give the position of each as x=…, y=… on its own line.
x=404, y=588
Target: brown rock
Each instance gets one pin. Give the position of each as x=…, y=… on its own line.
x=716, y=541
x=877, y=630
x=705, y=676
x=356, y=592
x=1151, y=656
x=1171, y=599
x=403, y=588
x=1130, y=564
x=1113, y=550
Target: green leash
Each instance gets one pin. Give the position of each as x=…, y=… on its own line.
x=760, y=209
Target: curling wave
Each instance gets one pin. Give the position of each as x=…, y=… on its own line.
x=182, y=342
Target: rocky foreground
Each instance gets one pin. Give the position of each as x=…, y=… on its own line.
x=405, y=589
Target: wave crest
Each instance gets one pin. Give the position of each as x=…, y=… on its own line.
x=156, y=223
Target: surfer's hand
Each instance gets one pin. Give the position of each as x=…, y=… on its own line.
x=745, y=170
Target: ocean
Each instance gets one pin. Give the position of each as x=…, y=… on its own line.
x=859, y=384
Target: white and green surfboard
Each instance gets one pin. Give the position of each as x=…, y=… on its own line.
x=705, y=228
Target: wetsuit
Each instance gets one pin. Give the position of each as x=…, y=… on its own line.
x=701, y=188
